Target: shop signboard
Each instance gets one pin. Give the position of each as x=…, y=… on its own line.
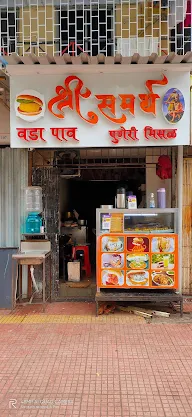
x=138, y=261
x=103, y=110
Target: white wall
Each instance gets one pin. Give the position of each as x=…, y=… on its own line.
x=153, y=182
x=4, y=125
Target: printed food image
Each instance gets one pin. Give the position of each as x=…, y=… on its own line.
x=163, y=261
x=113, y=278
x=138, y=261
x=137, y=278
x=137, y=244
x=112, y=244
x=163, y=279
x=163, y=244
x=113, y=260
x=29, y=105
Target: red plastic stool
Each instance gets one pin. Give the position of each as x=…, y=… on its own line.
x=86, y=265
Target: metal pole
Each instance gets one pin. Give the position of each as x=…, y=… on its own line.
x=44, y=285
x=180, y=208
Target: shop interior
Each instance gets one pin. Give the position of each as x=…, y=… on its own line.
x=84, y=197
x=86, y=187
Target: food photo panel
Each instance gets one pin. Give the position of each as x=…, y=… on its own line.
x=163, y=244
x=112, y=260
x=163, y=279
x=138, y=261
x=166, y=261
x=112, y=244
x=112, y=278
x=137, y=278
x=137, y=244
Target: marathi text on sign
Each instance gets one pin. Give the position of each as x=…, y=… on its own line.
x=148, y=131
x=68, y=97
x=63, y=134
x=31, y=134
x=34, y=134
x=156, y=134
x=122, y=133
x=68, y=133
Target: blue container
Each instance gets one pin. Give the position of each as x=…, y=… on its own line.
x=33, y=223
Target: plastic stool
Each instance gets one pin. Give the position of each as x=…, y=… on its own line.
x=86, y=264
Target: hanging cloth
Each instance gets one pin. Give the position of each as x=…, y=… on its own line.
x=177, y=12
x=164, y=167
x=187, y=21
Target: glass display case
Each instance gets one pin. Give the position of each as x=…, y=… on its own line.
x=137, y=248
x=137, y=221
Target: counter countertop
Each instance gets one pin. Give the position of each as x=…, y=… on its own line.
x=32, y=254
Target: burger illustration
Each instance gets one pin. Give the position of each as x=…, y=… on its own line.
x=29, y=105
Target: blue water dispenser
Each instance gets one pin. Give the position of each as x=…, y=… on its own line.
x=34, y=209
x=33, y=223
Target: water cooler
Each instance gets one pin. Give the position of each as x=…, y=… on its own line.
x=33, y=198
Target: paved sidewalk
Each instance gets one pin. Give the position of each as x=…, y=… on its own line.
x=76, y=365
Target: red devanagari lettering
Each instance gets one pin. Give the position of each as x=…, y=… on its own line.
x=116, y=135
x=64, y=133
x=36, y=134
x=71, y=132
x=149, y=133
x=68, y=98
x=108, y=101
x=148, y=101
x=122, y=133
x=31, y=134
x=156, y=134
x=128, y=102
x=58, y=132
x=170, y=133
x=131, y=134
x=22, y=134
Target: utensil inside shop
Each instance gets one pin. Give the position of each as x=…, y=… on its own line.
x=82, y=222
x=106, y=206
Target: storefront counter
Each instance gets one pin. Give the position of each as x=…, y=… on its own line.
x=137, y=249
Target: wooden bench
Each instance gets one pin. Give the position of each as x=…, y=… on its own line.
x=136, y=296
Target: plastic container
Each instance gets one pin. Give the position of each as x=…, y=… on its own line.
x=33, y=198
x=152, y=201
x=161, y=198
x=128, y=193
x=33, y=223
x=132, y=202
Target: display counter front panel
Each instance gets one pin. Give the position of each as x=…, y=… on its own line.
x=132, y=261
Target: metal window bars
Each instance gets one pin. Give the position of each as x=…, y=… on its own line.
x=95, y=26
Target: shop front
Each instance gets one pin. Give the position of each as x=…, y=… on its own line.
x=112, y=152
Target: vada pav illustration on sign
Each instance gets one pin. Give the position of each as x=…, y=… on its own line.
x=30, y=105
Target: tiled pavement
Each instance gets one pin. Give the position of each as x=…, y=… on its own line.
x=69, y=363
